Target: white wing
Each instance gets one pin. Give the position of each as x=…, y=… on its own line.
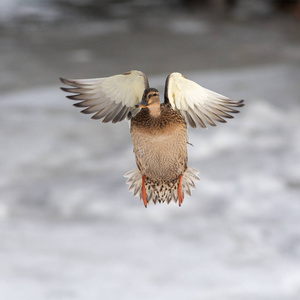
x=196, y=104
x=112, y=98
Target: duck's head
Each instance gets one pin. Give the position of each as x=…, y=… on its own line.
x=151, y=101
x=150, y=97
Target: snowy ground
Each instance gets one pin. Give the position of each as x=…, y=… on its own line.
x=69, y=229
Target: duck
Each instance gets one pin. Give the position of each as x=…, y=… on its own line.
x=159, y=131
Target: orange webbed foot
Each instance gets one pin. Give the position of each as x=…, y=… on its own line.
x=144, y=194
x=180, y=195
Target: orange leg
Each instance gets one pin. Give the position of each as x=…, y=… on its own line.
x=180, y=196
x=144, y=194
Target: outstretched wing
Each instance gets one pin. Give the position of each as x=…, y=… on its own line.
x=198, y=106
x=112, y=98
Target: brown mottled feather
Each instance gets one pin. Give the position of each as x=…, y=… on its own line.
x=160, y=146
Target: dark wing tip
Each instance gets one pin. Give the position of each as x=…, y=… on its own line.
x=63, y=80
x=72, y=97
x=233, y=103
x=68, y=90
x=79, y=104
x=166, y=98
x=240, y=103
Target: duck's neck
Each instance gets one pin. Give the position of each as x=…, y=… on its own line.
x=154, y=110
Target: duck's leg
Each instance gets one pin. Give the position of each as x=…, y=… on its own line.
x=180, y=196
x=144, y=194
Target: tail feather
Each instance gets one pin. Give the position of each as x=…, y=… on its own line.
x=162, y=191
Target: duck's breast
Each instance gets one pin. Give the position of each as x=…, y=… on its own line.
x=161, y=151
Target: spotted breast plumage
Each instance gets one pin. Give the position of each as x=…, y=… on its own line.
x=158, y=131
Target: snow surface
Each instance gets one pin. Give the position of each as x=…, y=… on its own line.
x=70, y=229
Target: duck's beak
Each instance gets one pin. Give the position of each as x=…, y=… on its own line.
x=142, y=104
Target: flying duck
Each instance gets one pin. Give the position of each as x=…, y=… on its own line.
x=158, y=130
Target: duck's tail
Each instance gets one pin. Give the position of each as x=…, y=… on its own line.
x=159, y=191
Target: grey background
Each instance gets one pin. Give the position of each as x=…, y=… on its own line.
x=69, y=229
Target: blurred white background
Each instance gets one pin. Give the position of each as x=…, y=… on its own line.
x=69, y=229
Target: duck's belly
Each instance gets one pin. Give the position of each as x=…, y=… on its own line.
x=161, y=155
